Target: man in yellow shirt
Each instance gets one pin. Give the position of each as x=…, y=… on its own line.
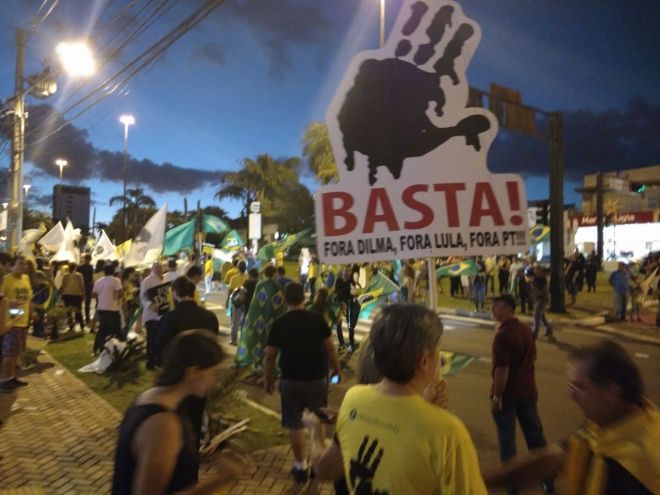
x=16, y=287
x=238, y=308
x=390, y=438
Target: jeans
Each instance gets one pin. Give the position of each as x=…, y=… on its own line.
x=152, y=328
x=479, y=296
x=352, y=310
x=109, y=326
x=73, y=305
x=88, y=303
x=540, y=319
x=237, y=317
x=530, y=423
x=620, y=303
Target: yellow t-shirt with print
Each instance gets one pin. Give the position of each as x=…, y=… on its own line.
x=18, y=289
x=237, y=280
x=404, y=444
x=230, y=273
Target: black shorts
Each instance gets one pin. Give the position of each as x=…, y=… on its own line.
x=298, y=395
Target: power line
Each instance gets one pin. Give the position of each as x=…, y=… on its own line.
x=140, y=62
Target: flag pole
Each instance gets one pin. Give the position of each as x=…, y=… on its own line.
x=433, y=284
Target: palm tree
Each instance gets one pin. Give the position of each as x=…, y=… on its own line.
x=318, y=152
x=263, y=179
x=135, y=206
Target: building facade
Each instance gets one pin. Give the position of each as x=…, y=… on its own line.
x=72, y=202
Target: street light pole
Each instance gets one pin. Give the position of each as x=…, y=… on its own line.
x=26, y=190
x=382, y=23
x=61, y=163
x=15, y=211
x=127, y=120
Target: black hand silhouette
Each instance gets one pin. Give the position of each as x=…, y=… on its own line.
x=384, y=114
x=361, y=472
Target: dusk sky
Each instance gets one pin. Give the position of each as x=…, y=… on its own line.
x=255, y=73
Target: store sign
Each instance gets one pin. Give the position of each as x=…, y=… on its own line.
x=619, y=218
x=412, y=155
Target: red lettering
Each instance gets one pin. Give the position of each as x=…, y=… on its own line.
x=483, y=191
x=331, y=212
x=451, y=201
x=378, y=195
x=423, y=209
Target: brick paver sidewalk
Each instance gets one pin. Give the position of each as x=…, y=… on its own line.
x=59, y=437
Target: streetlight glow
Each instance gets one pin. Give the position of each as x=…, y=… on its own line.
x=26, y=188
x=61, y=163
x=76, y=58
x=127, y=120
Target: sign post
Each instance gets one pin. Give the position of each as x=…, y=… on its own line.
x=254, y=225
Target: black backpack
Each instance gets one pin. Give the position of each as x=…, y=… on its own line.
x=239, y=297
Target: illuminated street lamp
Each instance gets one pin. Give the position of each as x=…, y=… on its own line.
x=76, y=59
x=127, y=120
x=382, y=23
x=61, y=163
x=26, y=191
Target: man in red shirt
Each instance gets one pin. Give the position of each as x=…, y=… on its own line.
x=513, y=392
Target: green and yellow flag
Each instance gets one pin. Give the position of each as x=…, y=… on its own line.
x=467, y=267
x=539, y=233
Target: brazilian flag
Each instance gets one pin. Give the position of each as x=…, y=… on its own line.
x=269, y=251
x=467, y=267
x=539, y=233
x=214, y=225
x=232, y=241
x=376, y=294
x=453, y=362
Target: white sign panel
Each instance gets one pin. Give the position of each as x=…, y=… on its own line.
x=254, y=225
x=412, y=155
x=255, y=207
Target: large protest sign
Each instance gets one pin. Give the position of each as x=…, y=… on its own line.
x=412, y=155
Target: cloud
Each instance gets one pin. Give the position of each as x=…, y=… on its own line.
x=593, y=142
x=279, y=26
x=210, y=53
x=87, y=162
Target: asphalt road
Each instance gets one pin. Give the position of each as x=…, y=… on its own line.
x=469, y=389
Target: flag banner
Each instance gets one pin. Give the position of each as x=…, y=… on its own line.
x=453, y=362
x=68, y=250
x=376, y=294
x=269, y=251
x=232, y=241
x=539, y=233
x=179, y=238
x=104, y=249
x=148, y=244
x=214, y=225
x=467, y=267
x=53, y=239
x=123, y=249
x=160, y=296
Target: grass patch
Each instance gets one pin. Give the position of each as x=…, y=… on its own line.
x=120, y=389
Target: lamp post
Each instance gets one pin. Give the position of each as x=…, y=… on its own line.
x=382, y=23
x=26, y=191
x=40, y=86
x=61, y=163
x=127, y=120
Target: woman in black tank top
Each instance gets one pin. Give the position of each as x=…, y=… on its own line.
x=157, y=449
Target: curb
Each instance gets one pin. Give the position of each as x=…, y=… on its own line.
x=597, y=323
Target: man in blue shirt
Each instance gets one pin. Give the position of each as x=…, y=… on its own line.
x=619, y=280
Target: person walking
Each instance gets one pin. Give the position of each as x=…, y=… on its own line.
x=267, y=305
x=238, y=308
x=619, y=280
x=513, y=391
x=87, y=271
x=616, y=452
x=541, y=298
x=156, y=450
x=591, y=271
x=107, y=291
x=303, y=341
x=345, y=290
x=154, y=298
x=16, y=288
x=73, y=292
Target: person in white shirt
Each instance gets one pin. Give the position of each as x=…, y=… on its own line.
x=107, y=291
x=172, y=272
x=153, y=308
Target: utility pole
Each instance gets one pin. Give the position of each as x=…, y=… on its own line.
x=557, y=294
x=511, y=113
x=15, y=211
x=599, y=218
